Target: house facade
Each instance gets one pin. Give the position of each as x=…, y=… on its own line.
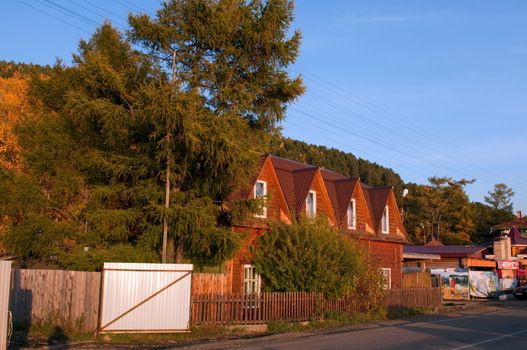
x=292, y=190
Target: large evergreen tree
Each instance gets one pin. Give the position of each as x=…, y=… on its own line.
x=228, y=87
x=112, y=128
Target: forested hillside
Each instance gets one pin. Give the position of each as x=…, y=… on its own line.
x=347, y=164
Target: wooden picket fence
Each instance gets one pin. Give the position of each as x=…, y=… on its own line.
x=296, y=307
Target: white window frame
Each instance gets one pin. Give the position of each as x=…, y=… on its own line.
x=308, y=213
x=385, y=218
x=252, y=281
x=352, y=222
x=387, y=277
x=264, y=207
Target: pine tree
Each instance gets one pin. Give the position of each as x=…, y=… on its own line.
x=500, y=197
x=228, y=87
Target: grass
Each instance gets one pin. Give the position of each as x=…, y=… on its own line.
x=46, y=333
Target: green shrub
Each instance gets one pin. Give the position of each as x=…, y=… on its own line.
x=311, y=256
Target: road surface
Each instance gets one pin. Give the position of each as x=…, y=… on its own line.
x=491, y=326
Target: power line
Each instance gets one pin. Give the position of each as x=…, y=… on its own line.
x=130, y=5
x=105, y=10
x=406, y=165
x=390, y=148
x=100, y=15
x=69, y=12
x=387, y=115
x=54, y=17
x=390, y=131
x=374, y=138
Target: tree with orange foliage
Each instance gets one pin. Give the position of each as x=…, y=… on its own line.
x=13, y=107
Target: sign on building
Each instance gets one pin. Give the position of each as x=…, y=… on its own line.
x=508, y=265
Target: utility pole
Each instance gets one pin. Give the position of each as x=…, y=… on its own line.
x=167, y=182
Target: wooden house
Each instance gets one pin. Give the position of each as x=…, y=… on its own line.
x=292, y=190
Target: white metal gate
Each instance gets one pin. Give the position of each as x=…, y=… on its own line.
x=145, y=297
x=5, y=285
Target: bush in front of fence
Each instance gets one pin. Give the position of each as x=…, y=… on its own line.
x=311, y=256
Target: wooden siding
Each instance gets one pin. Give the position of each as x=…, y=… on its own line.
x=387, y=255
x=66, y=299
x=276, y=203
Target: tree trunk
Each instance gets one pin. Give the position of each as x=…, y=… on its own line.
x=167, y=188
x=170, y=250
x=179, y=253
x=165, y=221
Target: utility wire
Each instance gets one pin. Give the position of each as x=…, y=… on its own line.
x=105, y=10
x=54, y=17
x=390, y=131
x=338, y=129
x=69, y=12
x=118, y=23
x=405, y=165
x=391, y=116
x=130, y=5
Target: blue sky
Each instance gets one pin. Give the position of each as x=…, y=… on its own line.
x=424, y=87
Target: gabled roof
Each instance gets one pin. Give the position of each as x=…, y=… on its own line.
x=295, y=179
x=518, y=222
x=340, y=190
x=516, y=238
x=446, y=251
x=302, y=180
x=377, y=199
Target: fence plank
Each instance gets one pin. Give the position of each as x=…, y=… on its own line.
x=66, y=299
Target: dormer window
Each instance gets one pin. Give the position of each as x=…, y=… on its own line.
x=260, y=191
x=352, y=218
x=311, y=204
x=385, y=220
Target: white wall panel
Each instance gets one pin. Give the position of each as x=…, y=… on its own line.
x=136, y=298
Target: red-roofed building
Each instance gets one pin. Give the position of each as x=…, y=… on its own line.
x=292, y=190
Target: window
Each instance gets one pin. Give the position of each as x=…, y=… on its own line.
x=251, y=280
x=260, y=191
x=385, y=220
x=352, y=218
x=311, y=204
x=387, y=277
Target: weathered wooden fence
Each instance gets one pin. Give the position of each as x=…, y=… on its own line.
x=413, y=297
x=66, y=299
x=295, y=307
x=254, y=308
x=421, y=279
x=70, y=300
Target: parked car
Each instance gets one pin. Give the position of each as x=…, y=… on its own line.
x=520, y=292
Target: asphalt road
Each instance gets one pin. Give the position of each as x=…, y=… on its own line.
x=490, y=326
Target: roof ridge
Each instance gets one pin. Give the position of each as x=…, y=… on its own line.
x=304, y=170
x=291, y=160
